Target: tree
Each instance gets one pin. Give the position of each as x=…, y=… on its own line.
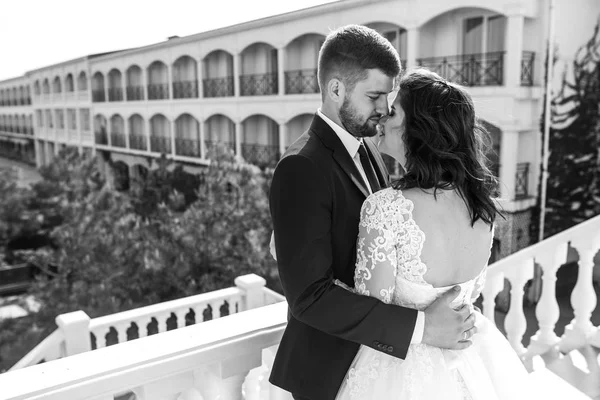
x=573, y=194
x=110, y=257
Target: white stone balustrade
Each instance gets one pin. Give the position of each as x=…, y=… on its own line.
x=225, y=359
x=74, y=328
x=549, y=254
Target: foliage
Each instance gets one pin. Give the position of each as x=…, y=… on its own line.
x=116, y=251
x=573, y=194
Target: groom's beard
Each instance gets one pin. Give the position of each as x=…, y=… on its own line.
x=352, y=122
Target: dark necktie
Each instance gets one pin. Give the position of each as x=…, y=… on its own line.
x=368, y=168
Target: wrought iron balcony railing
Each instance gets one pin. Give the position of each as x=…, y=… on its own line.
x=98, y=95
x=522, y=181
x=160, y=144
x=158, y=91
x=261, y=155
x=115, y=94
x=187, y=147
x=483, y=69
x=117, y=139
x=527, y=63
x=138, y=142
x=185, y=89
x=218, y=87
x=211, y=145
x=259, y=84
x=301, y=81
x=135, y=93
x=101, y=137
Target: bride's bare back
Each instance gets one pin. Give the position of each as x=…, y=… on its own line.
x=454, y=251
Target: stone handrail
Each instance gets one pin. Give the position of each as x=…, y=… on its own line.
x=79, y=333
x=217, y=359
x=51, y=348
x=549, y=254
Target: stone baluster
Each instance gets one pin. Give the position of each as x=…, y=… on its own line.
x=190, y=394
x=162, y=321
x=494, y=284
x=547, y=310
x=142, y=325
x=515, y=323
x=199, y=312
x=100, y=334
x=181, y=313
x=583, y=298
x=121, y=329
x=224, y=380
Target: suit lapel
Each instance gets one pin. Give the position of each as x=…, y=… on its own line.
x=329, y=138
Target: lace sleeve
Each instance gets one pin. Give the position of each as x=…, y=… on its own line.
x=375, y=273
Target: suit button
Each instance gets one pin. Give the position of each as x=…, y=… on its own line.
x=381, y=346
x=375, y=343
x=390, y=348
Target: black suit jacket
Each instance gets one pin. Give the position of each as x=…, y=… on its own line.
x=315, y=200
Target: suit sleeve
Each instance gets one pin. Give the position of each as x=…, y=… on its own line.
x=301, y=209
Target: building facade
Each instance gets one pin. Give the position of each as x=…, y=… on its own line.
x=254, y=88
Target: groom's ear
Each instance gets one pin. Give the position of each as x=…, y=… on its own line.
x=336, y=90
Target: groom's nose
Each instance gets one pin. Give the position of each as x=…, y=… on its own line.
x=381, y=106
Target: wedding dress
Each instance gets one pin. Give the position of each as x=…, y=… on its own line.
x=487, y=370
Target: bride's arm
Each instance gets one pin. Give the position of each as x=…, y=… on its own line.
x=376, y=257
x=375, y=273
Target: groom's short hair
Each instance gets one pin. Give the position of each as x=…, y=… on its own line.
x=348, y=52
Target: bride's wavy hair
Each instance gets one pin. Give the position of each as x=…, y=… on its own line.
x=445, y=144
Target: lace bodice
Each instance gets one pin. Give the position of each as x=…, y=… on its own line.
x=388, y=263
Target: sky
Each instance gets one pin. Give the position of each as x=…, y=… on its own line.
x=37, y=33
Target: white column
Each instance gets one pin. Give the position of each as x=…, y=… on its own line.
x=509, y=146
x=282, y=138
x=148, y=133
x=108, y=131
x=79, y=128
x=514, y=50
x=202, y=144
x=38, y=153
x=583, y=297
x=199, y=76
x=170, y=81
x=126, y=132
x=412, y=47
x=75, y=327
x=238, y=139
x=123, y=87
x=106, y=83
x=281, y=71
x=173, y=134
x=145, y=84
x=236, y=74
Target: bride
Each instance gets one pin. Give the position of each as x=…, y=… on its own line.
x=430, y=231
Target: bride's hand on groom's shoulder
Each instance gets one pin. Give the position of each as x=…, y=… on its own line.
x=447, y=328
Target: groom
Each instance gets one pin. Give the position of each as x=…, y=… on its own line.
x=316, y=195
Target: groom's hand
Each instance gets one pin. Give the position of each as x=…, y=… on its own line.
x=447, y=328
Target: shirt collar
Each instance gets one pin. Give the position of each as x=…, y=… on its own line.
x=351, y=143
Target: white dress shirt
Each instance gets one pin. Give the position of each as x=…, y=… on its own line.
x=352, y=145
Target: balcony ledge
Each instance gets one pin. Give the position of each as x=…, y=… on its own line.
x=223, y=345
